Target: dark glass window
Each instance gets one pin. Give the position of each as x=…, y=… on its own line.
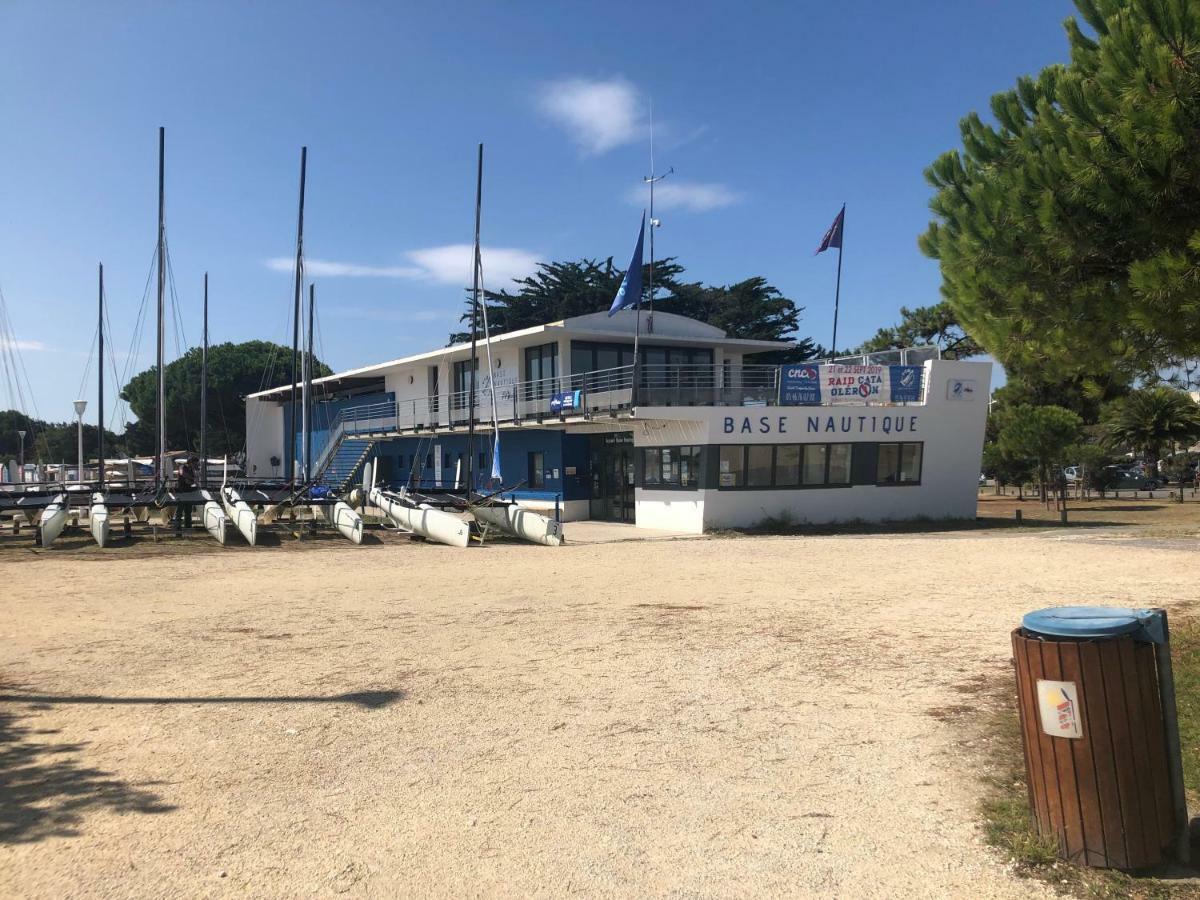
x=899, y=464
x=840, y=456
x=758, y=465
x=731, y=467
x=787, y=465
x=814, y=463
x=537, y=470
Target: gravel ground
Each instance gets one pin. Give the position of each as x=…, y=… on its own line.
x=724, y=717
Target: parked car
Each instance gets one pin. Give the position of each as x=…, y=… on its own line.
x=1133, y=480
x=1072, y=474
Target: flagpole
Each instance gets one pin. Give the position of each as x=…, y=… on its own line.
x=837, y=293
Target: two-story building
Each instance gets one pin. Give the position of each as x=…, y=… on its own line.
x=706, y=438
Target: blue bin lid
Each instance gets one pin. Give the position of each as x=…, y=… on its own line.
x=1094, y=622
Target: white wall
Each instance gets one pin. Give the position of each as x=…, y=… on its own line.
x=951, y=431
x=264, y=437
x=670, y=510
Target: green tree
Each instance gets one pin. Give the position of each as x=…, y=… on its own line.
x=1042, y=434
x=1150, y=419
x=50, y=441
x=926, y=326
x=234, y=370
x=1006, y=468
x=1068, y=232
x=750, y=309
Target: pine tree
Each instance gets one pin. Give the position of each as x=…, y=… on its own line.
x=1069, y=231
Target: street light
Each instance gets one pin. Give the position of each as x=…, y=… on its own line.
x=80, y=406
x=21, y=463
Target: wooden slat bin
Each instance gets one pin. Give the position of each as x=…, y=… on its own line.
x=1101, y=782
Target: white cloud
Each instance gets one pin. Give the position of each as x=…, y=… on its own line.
x=451, y=264
x=447, y=264
x=692, y=196
x=6, y=344
x=323, y=268
x=598, y=115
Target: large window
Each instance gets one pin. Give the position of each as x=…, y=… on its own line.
x=537, y=470
x=733, y=462
x=758, y=465
x=541, y=368
x=899, y=464
x=671, y=467
x=462, y=383
x=784, y=465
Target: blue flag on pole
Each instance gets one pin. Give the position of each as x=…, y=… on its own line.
x=630, y=293
x=833, y=237
x=496, y=458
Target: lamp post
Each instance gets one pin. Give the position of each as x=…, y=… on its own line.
x=21, y=458
x=80, y=406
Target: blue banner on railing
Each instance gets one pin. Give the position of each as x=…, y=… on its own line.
x=566, y=400
x=811, y=384
x=800, y=385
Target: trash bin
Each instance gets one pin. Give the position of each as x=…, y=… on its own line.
x=1101, y=740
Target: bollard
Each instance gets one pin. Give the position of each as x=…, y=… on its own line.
x=1018, y=517
x=1063, y=516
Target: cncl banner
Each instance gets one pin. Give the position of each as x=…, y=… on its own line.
x=811, y=384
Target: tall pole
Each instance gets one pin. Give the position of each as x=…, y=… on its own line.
x=80, y=406
x=160, y=421
x=474, y=322
x=100, y=388
x=837, y=293
x=308, y=394
x=21, y=458
x=289, y=459
x=204, y=393
x=651, y=179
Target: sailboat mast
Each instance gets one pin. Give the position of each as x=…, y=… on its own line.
x=100, y=389
x=471, y=368
x=308, y=393
x=204, y=394
x=290, y=456
x=160, y=419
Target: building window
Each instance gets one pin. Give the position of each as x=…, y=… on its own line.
x=899, y=464
x=482, y=461
x=840, y=456
x=758, y=465
x=462, y=383
x=732, y=464
x=541, y=371
x=814, y=463
x=787, y=465
x=671, y=467
x=537, y=470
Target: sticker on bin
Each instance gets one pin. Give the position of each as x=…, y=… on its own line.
x=1058, y=702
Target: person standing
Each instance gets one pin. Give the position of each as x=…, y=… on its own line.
x=185, y=482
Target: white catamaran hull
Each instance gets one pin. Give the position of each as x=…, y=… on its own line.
x=520, y=522
x=216, y=522
x=346, y=521
x=242, y=515
x=98, y=520
x=423, y=519
x=54, y=517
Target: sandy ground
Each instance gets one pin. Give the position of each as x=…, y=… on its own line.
x=715, y=717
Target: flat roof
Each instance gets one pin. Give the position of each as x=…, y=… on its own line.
x=366, y=376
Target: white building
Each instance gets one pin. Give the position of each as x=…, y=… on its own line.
x=708, y=439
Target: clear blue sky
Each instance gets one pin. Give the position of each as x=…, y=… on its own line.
x=772, y=114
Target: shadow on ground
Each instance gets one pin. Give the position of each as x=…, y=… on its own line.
x=45, y=788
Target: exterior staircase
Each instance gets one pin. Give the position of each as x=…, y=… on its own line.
x=346, y=461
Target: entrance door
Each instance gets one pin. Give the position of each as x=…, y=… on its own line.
x=612, y=478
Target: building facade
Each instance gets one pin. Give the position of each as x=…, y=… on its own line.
x=695, y=436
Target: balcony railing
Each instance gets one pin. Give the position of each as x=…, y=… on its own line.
x=603, y=393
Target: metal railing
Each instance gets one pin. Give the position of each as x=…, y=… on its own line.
x=604, y=392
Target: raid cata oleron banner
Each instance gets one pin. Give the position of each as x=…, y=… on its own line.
x=811, y=384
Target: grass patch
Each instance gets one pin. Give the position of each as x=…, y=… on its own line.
x=1008, y=825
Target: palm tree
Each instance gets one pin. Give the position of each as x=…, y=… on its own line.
x=1151, y=418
